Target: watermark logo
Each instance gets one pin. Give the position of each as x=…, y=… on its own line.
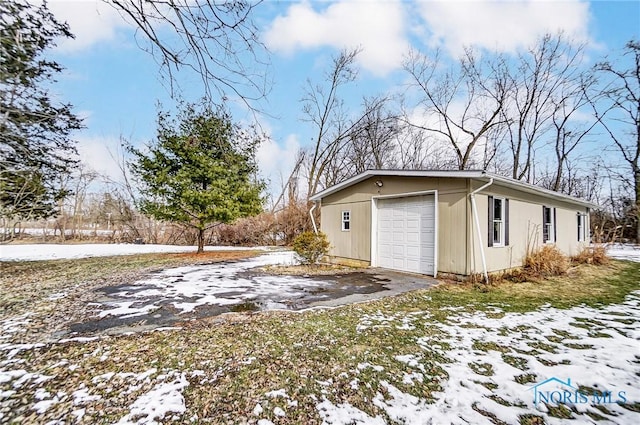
x=556, y=391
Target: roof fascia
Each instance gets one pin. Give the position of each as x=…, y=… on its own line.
x=469, y=174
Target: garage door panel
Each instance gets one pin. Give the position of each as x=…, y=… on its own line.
x=398, y=250
x=413, y=237
x=412, y=264
x=413, y=251
x=411, y=231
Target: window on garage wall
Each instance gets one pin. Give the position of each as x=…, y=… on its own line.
x=346, y=221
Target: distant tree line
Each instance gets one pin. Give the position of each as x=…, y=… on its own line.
x=541, y=116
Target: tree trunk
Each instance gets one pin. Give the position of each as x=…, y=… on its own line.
x=200, y=241
x=558, y=178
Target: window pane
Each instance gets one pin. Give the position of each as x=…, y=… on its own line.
x=547, y=215
x=546, y=232
x=346, y=218
x=497, y=232
x=497, y=209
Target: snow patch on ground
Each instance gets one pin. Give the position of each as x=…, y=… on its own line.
x=39, y=252
x=187, y=288
x=166, y=397
x=594, y=348
x=13, y=325
x=365, y=365
x=624, y=252
x=81, y=396
x=379, y=320
x=128, y=309
x=345, y=414
x=277, y=393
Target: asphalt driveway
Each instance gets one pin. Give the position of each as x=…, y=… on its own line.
x=176, y=295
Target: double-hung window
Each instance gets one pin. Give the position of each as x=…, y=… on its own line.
x=548, y=224
x=498, y=221
x=582, y=227
x=346, y=221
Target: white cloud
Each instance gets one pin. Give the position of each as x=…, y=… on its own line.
x=377, y=27
x=91, y=21
x=501, y=25
x=276, y=162
x=97, y=154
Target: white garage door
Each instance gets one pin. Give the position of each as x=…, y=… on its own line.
x=406, y=234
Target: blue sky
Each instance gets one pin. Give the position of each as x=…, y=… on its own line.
x=115, y=85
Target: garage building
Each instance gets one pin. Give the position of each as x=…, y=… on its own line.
x=457, y=222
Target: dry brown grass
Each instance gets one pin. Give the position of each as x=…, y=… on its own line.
x=584, y=283
x=546, y=262
x=596, y=255
x=543, y=263
x=309, y=269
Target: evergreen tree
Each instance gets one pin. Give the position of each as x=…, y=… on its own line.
x=200, y=171
x=35, y=142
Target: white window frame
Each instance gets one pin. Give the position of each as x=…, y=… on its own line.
x=345, y=218
x=551, y=230
x=501, y=233
x=582, y=227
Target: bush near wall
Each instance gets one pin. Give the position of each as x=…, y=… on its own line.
x=546, y=262
x=596, y=255
x=311, y=247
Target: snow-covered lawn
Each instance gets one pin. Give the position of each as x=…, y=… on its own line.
x=493, y=364
x=420, y=358
x=489, y=362
x=624, y=252
x=38, y=252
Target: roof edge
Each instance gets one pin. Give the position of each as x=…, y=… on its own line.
x=401, y=173
x=470, y=174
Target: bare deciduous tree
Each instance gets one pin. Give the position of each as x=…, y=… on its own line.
x=461, y=105
x=324, y=109
x=216, y=39
x=543, y=84
x=618, y=112
x=372, y=142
